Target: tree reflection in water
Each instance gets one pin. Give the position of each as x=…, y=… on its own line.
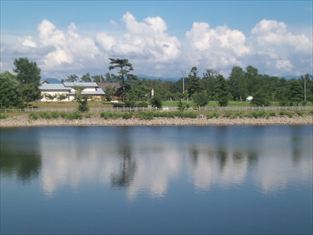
x=127, y=168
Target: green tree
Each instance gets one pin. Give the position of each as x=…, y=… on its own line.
x=10, y=91
x=28, y=74
x=72, y=78
x=81, y=99
x=295, y=92
x=208, y=83
x=222, y=91
x=237, y=83
x=86, y=78
x=260, y=99
x=181, y=106
x=193, y=82
x=124, y=68
x=200, y=98
x=156, y=102
x=98, y=78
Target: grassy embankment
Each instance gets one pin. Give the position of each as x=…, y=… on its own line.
x=253, y=114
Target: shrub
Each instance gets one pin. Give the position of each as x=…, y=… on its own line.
x=258, y=114
x=72, y=116
x=3, y=116
x=55, y=115
x=110, y=115
x=127, y=115
x=33, y=116
x=156, y=102
x=260, y=99
x=212, y=115
x=201, y=98
x=145, y=115
x=129, y=104
x=118, y=105
x=188, y=114
x=300, y=112
x=142, y=104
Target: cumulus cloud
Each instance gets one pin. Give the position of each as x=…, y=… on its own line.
x=281, y=49
x=146, y=40
x=218, y=47
x=28, y=42
x=270, y=46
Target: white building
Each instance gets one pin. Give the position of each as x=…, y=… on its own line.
x=66, y=91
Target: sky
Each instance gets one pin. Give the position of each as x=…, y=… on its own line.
x=160, y=38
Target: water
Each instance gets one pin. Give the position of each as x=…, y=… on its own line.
x=182, y=180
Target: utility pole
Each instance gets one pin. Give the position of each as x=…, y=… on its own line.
x=304, y=86
x=183, y=76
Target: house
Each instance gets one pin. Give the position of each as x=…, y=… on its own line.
x=66, y=91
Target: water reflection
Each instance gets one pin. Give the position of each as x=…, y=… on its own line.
x=149, y=160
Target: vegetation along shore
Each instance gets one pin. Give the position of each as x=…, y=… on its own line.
x=157, y=118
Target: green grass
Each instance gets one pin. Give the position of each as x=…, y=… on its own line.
x=55, y=115
x=3, y=116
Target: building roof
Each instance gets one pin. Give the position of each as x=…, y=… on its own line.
x=53, y=87
x=98, y=91
x=80, y=84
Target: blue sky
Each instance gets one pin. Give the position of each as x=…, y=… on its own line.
x=21, y=19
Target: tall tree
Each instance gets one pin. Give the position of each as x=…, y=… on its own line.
x=72, y=78
x=28, y=74
x=124, y=68
x=208, y=83
x=193, y=82
x=86, y=78
x=222, y=91
x=10, y=91
x=237, y=83
x=98, y=78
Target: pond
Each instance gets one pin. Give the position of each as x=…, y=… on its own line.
x=156, y=180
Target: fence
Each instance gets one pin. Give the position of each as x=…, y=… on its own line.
x=143, y=109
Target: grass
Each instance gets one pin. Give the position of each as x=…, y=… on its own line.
x=70, y=104
x=55, y=115
x=169, y=114
x=3, y=116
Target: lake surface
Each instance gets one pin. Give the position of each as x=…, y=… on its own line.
x=182, y=180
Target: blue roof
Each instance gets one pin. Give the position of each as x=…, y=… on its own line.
x=80, y=84
x=53, y=87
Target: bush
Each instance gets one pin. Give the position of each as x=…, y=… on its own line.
x=156, y=102
x=145, y=115
x=127, y=115
x=129, y=104
x=142, y=104
x=201, y=98
x=188, y=114
x=33, y=116
x=83, y=105
x=118, y=105
x=212, y=115
x=72, y=116
x=3, y=116
x=260, y=99
x=259, y=114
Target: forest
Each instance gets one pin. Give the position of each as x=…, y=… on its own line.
x=21, y=87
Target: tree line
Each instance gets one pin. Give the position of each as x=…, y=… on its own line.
x=21, y=88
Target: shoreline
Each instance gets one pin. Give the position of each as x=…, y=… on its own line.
x=23, y=121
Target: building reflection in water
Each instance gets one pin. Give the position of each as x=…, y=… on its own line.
x=150, y=162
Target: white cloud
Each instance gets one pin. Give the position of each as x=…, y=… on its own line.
x=218, y=47
x=147, y=39
x=270, y=46
x=28, y=42
x=280, y=48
